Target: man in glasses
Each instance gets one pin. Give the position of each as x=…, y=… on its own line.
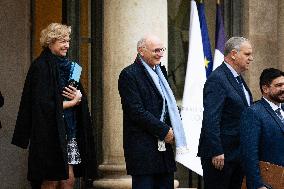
x=146, y=99
x=225, y=96
x=262, y=131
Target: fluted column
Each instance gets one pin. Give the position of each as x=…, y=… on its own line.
x=261, y=26
x=125, y=22
x=281, y=34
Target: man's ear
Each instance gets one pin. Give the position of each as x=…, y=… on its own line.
x=141, y=51
x=265, y=89
x=233, y=54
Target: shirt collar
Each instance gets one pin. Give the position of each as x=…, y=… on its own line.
x=272, y=105
x=235, y=74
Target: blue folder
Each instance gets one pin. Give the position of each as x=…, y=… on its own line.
x=75, y=74
x=75, y=71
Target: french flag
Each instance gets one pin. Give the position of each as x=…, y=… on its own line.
x=219, y=38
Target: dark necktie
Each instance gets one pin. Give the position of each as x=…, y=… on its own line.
x=279, y=115
x=240, y=82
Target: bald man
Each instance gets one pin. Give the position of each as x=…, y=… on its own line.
x=147, y=132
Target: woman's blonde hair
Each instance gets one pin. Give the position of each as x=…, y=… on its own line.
x=53, y=32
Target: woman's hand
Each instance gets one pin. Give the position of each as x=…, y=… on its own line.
x=73, y=94
x=78, y=97
x=69, y=92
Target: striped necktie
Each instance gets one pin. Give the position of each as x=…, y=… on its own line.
x=240, y=82
x=278, y=112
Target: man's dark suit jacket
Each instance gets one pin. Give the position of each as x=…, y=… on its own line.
x=262, y=138
x=223, y=103
x=142, y=107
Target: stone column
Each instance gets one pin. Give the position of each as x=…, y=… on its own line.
x=15, y=61
x=281, y=35
x=125, y=22
x=261, y=26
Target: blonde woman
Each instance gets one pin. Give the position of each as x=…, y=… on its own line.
x=54, y=119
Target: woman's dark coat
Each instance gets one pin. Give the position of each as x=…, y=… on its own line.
x=40, y=125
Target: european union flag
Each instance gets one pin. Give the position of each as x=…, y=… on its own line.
x=208, y=60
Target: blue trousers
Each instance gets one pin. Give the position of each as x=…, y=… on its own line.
x=155, y=181
x=230, y=177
